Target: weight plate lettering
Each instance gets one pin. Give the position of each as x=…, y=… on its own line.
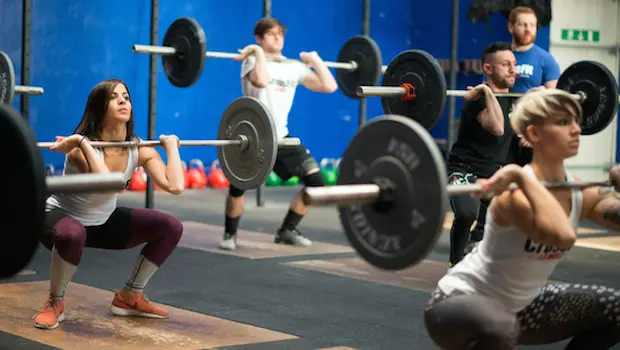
x=399, y=153
x=601, y=89
x=25, y=189
x=188, y=38
x=366, y=53
x=421, y=70
x=7, y=79
x=247, y=168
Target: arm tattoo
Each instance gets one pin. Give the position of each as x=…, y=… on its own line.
x=612, y=214
x=605, y=191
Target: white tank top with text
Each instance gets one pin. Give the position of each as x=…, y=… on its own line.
x=506, y=265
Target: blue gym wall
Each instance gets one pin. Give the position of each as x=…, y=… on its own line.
x=75, y=44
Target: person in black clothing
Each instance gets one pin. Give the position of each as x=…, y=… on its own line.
x=482, y=145
x=520, y=151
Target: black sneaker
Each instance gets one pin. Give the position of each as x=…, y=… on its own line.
x=292, y=237
x=229, y=242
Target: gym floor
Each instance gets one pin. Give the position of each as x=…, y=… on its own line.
x=261, y=296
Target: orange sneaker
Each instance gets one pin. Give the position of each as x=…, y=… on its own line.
x=139, y=306
x=52, y=314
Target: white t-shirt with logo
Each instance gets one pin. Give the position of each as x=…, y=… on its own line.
x=506, y=265
x=279, y=94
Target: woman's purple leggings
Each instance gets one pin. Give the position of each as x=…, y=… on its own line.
x=126, y=228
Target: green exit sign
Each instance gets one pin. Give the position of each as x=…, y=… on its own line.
x=581, y=35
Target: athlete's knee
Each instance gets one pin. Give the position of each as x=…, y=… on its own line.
x=70, y=239
x=314, y=179
x=170, y=226
x=235, y=192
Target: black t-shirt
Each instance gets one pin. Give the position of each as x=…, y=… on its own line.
x=476, y=150
x=519, y=154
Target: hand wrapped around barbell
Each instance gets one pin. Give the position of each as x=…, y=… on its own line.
x=414, y=86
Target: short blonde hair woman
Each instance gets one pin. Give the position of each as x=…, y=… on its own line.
x=498, y=296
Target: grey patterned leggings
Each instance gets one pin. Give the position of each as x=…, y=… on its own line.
x=589, y=314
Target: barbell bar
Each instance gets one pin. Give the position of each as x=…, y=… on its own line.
x=84, y=183
x=414, y=86
x=184, y=52
x=8, y=89
x=242, y=141
x=170, y=51
x=392, y=193
x=26, y=189
x=400, y=91
x=371, y=193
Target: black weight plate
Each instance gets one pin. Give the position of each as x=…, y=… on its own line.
x=421, y=70
x=188, y=38
x=247, y=168
x=398, y=151
x=601, y=89
x=7, y=79
x=25, y=190
x=365, y=52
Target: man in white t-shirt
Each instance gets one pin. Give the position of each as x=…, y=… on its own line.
x=274, y=83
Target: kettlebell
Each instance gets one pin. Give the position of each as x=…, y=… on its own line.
x=217, y=179
x=291, y=182
x=196, y=174
x=138, y=180
x=273, y=180
x=327, y=171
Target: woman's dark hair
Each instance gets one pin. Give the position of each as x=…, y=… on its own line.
x=91, y=124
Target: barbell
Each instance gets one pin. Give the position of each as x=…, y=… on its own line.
x=392, y=194
x=26, y=189
x=247, y=143
x=8, y=89
x=184, y=52
x=414, y=86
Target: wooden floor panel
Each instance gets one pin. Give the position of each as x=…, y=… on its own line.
x=250, y=244
x=89, y=325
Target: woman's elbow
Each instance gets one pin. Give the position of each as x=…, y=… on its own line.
x=175, y=189
x=562, y=238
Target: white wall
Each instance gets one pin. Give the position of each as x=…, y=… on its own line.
x=596, y=151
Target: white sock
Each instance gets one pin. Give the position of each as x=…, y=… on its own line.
x=60, y=275
x=142, y=273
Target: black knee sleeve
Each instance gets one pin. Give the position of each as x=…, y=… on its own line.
x=314, y=180
x=235, y=192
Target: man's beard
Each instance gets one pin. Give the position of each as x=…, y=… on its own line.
x=502, y=83
x=522, y=41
